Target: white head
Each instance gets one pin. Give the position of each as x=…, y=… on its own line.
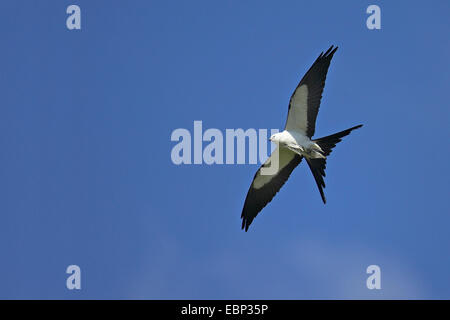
x=275, y=137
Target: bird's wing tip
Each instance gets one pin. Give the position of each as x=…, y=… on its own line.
x=331, y=50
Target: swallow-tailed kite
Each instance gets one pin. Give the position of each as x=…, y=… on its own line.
x=295, y=142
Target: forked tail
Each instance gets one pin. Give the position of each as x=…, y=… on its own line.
x=318, y=165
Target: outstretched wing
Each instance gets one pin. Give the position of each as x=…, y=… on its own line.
x=265, y=186
x=305, y=101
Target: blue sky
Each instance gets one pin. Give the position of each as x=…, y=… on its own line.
x=86, y=176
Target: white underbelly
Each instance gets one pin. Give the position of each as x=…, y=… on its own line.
x=301, y=144
x=292, y=138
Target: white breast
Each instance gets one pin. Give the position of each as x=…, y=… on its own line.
x=292, y=138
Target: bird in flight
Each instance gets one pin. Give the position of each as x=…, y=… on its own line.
x=295, y=142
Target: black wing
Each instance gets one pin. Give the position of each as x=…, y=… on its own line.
x=305, y=101
x=265, y=186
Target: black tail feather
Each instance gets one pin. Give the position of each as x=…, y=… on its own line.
x=319, y=165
